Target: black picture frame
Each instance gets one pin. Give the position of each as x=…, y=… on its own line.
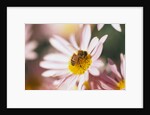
x=108, y=3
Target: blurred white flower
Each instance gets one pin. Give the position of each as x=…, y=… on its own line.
x=29, y=45
x=28, y=32
x=29, y=50
x=115, y=26
x=75, y=62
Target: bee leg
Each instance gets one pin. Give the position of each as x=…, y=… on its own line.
x=79, y=64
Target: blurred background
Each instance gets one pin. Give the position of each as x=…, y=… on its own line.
x=37, y=45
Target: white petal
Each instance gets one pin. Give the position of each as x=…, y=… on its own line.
x=98, y=63
x=117, y=27
x=48, y=65
x=98, y=49
x=86, y=35
x=62, y=40
x=63, y=80
x=100, y=26
x=56, y=82
x=87, y=76
x=94, y=71
x=98, y=52
x=59, y=46
x=122, y=65
x=54, y=73
x=73, y=83
x=101, y=41
x=65, y=43
x=93, y=44
x=66, y=83
x=56, y=57
x=82, y=80
x=73, y=41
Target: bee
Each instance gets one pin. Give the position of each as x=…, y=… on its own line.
x=76, y=57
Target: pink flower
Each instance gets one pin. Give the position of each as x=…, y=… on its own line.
x=74, y=62
x=116, y=79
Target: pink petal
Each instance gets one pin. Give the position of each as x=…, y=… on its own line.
x=122, y=65
x=109, y=79
x=56, y=58
x=48, y=65
x=105, y=86
x=113, y=68
x=93, y=44
x=116, y=27
x=100, y=26
x=86, y=35
x=99, y=87
x=73, y=41
x=94, y=71
x=92, y=85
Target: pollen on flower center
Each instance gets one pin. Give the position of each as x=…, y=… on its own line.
x=79, y=62
x=121, y=85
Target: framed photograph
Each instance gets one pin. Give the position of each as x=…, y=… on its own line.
x=74, y=57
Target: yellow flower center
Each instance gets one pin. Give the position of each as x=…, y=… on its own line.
x=79, y=62
x=87, y=86
x=121, y=85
